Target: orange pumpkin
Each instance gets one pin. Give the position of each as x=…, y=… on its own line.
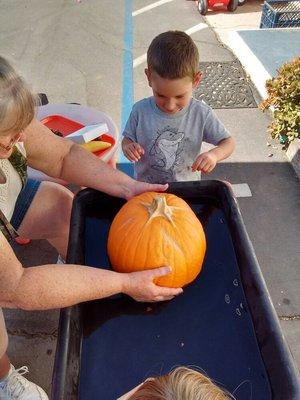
x=156, y=229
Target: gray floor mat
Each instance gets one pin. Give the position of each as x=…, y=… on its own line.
x=225, y=85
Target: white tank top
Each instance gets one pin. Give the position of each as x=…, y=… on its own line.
x=10, y=189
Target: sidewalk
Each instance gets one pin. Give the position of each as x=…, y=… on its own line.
x=261, y=51
x=69, y=51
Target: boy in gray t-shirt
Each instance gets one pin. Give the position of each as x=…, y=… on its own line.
x=164, y=133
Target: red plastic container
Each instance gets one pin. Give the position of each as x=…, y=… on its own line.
x=66, y=126
x=61, y=124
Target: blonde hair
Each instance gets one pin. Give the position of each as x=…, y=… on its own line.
x=17, y=102
x=173, y=55
x=180, y=384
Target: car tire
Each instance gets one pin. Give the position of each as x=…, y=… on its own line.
x=232, y=5
x=202, y=6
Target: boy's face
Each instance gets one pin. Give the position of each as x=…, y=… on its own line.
x=172, y=95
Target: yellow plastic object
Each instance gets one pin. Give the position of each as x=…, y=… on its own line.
x=95, y=145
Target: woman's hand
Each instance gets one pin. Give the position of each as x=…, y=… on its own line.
x=141, y=187
x=132, y=150
x=141, y=287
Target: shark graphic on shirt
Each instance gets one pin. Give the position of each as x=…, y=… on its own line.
x=166, y=150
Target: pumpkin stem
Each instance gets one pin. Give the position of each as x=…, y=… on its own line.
x=159, y=208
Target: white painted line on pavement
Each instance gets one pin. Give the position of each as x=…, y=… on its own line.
x=241, y=190
x=196, y=28
x=150, y=7
x=139, y=60
x=250, y=62
x=143, y=58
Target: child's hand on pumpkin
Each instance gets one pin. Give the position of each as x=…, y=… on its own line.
x=205, y=162
x=141, y=287
x=132, y=150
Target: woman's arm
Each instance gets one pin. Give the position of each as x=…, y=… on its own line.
x=60, y=158
x=56, y=286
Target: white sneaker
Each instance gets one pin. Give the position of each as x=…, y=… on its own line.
x=16, y=387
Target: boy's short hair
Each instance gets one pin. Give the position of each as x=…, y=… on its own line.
x=181, y=383
x=17, y=102
x=173, y=55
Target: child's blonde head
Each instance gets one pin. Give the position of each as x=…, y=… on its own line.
x=181, y=384
x=17, y=103
x=173, y=55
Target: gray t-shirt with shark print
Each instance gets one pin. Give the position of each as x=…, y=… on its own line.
x=171, y=142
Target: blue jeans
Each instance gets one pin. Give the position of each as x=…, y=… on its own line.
x=24, y=201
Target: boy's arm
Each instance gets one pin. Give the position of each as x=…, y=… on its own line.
x=130, y=146
x=214, y=132
x=132, y=150
x=223, y=149
x=207, y=161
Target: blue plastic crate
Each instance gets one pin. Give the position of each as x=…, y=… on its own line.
x=280, y=14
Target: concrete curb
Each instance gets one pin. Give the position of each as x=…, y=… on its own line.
x=253, y=66
x=257, y=72
x=293, y=154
